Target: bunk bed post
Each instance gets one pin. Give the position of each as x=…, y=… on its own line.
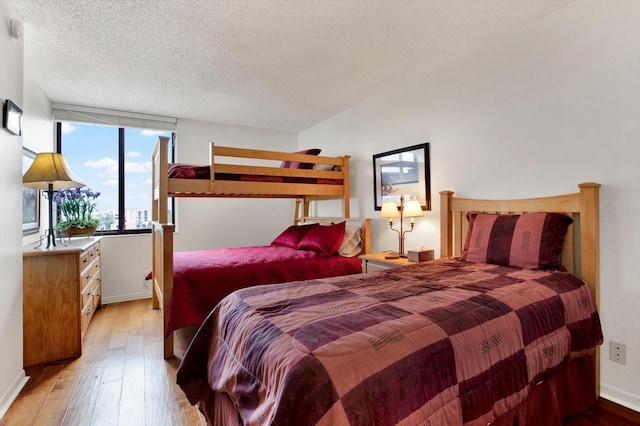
x=589, y=252
x=160, y=173
x=446, y=225
x=345, y=197
x=301, y=210
x=366, y=236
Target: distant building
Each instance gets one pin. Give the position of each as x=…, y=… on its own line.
x=133, y=219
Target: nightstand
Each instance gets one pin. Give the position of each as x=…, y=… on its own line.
x=375, y=262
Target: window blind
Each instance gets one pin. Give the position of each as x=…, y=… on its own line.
x=82, y=114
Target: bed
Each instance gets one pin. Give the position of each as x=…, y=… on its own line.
x=479, y=336
x=234, y=173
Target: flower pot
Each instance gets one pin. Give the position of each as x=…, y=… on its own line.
x=76, y=232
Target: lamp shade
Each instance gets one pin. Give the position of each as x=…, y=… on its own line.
x=389, y=210
x=50, y=168
x=412, y=208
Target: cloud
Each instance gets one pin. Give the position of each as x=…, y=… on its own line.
x=133, y=154
x=108, y=167
x=68, y=128
x=147, y=132
x=103, y=163
x=138, y=168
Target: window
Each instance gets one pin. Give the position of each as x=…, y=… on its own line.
x=115, y=161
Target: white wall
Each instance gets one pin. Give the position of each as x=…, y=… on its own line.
x=12, y=376
x=38, y=136
x=536, y=112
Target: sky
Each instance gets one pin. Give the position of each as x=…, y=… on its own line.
x=91, y=152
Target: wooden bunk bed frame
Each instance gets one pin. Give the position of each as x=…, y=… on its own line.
x=303, y=193
x=581, y=248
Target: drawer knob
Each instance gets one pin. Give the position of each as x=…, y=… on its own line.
x=90, y=292
x=89, y=310
x=98, y=293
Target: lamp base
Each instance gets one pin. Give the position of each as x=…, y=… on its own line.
x=49, y=237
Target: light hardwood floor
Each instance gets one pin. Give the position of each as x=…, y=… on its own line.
x=120, y=379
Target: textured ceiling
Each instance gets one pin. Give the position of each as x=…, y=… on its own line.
x=273, y=64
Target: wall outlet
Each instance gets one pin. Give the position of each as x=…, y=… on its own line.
x=617, y=352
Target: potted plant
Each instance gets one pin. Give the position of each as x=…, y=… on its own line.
x=76, y=207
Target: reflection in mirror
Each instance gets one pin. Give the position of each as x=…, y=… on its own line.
x=402, y=173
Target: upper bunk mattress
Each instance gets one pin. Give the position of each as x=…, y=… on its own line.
x=194, y=171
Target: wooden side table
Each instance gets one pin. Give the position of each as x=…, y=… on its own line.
x=376, y=261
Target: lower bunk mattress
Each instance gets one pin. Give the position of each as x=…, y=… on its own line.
x=442, y=342
x=202, y=278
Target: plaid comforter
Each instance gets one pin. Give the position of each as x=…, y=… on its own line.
x=443, y=342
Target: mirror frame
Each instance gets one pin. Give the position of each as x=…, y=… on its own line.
x=411, y=182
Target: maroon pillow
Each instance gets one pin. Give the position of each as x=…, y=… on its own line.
x=325, y=239
x=291, y=236
x=189, y=171
x=298, y=165
x=530, y=240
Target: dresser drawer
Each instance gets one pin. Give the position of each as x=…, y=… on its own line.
x=90, y=271
x=91, y=288
x=87, y=256
x=85, y=316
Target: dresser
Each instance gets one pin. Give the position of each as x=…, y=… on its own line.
x=61, y=291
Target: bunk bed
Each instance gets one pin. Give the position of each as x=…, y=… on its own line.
x=490, y=333
x=236, y=173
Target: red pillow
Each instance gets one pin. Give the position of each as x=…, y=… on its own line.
x=291, y=236
x=530, y=240
x=325, y=239
x=298, y=165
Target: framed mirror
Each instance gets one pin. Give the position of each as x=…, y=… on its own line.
x=402, y=173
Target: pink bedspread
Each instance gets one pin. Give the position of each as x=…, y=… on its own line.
x=436, y=343
x=202, y=278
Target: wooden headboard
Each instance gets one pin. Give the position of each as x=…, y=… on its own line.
x=581, y=249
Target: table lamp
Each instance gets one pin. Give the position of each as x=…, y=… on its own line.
x=409, y=208
x=50, y=172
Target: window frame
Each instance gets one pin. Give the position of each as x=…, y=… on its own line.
x=121, y=180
